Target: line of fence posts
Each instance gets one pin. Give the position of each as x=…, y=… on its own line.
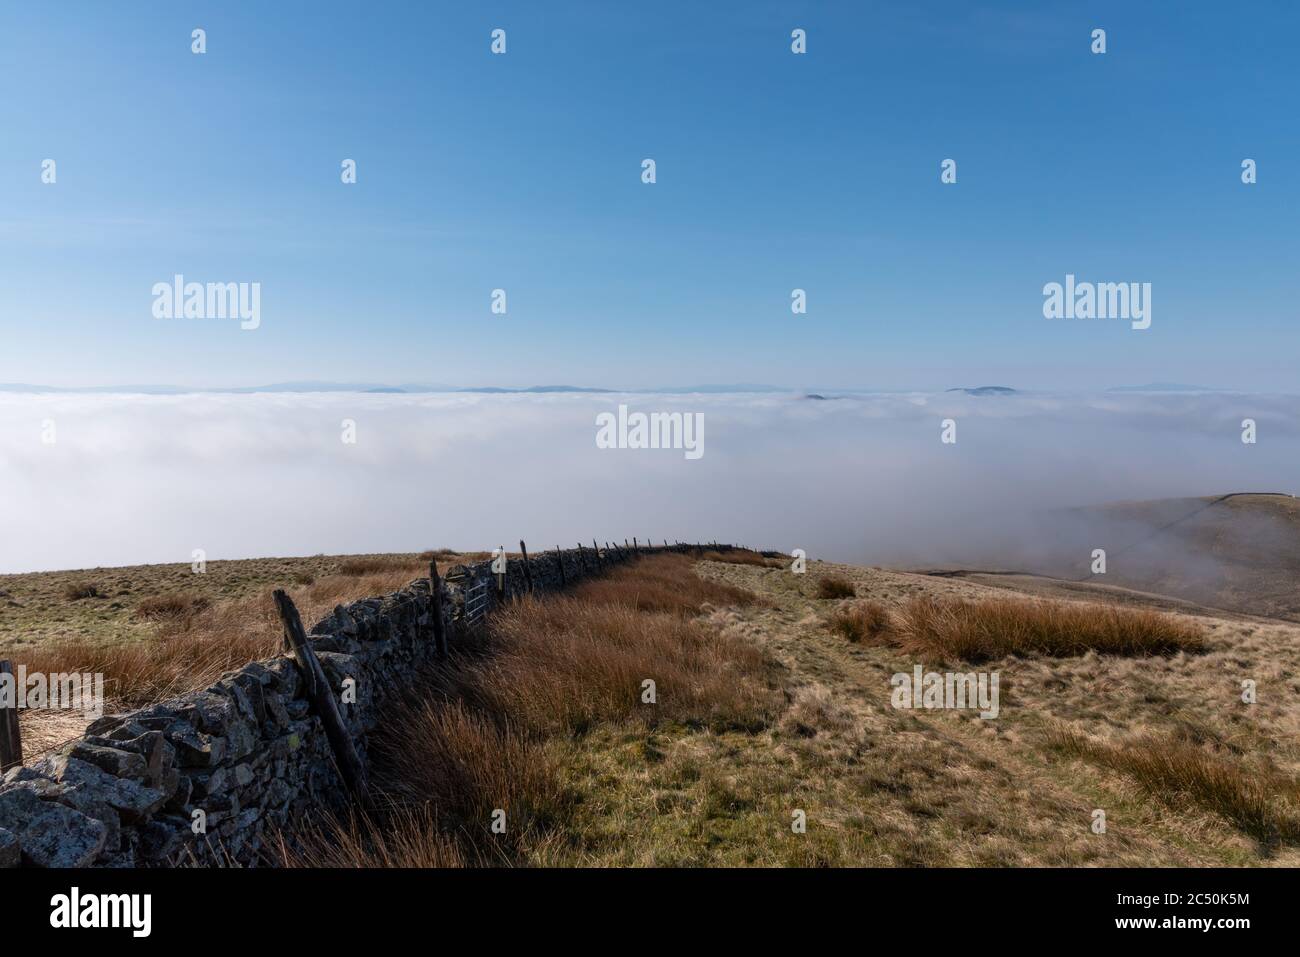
x=11, y=743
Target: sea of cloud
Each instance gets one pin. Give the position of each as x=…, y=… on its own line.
x=135, y=479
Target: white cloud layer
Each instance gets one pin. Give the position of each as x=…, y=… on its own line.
x=134, y=479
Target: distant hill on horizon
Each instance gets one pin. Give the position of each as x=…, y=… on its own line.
x=987, y=390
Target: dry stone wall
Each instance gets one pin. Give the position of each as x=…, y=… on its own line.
x=210, y=777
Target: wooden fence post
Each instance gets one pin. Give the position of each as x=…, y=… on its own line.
x=435, y=596
x=596, y=548
x=11, y=744
x=582, y=557
x=528, y=572
x=559, y=560
x=322, y=696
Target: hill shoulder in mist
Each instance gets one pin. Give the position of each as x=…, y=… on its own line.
x=1239, y=552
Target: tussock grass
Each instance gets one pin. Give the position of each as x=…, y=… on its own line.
x=412, y=839
x=438, y=554
x=560, y=665
x=196, y=643
x=741, y=556
x=997, y=627
x=223, y=638
x=365, y=565
x=1257, y=799
x=835, y=586
x=660, y=583
x=454, y=761
x=860, y=621
x=172, y=607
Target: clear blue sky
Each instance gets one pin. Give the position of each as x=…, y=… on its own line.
x=775, y=171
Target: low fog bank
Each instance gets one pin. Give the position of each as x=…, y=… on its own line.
x=866, y=479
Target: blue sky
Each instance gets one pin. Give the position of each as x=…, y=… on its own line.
x=775, y=171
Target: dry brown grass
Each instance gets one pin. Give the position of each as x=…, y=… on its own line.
x=997, y=627
x=741, y=556
x=380, y=565
x=410, y=838
x=138, y=673
x=1255, y=798
x=860, y=621
x=462, y=764
x=565, y=664
x=835, y=586
x=76, y=591
x=438, y=554
x=196, y=645
x=173, y=607
x=663, y=583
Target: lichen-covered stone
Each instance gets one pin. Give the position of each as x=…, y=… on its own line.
x=86, y=783
x=49, y=834
x=194, y=749
x=114, y=761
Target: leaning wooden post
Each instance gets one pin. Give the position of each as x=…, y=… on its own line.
x=559, y=560
x=435, y=596
x=322, y=696
x=528, y=572
x=596, y=548
x=582, y=557
x=11, y=742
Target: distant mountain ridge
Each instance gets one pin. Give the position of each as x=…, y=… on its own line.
x=370, y=387
x=312, y=385
x=987, y=390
